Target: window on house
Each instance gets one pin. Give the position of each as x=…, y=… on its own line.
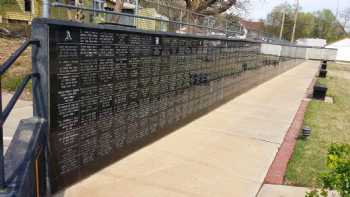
x=98, y=4
x=27, y=5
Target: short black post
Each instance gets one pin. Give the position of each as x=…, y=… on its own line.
x=322, y=73
x=306, y=131
x=320, y=91
x=324, y=64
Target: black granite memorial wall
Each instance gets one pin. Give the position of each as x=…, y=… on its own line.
x=112, y=89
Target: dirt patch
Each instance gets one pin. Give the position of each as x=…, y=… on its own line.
x=8, y=47
x=12, y=78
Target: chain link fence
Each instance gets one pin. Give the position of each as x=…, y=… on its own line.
x=158, y=15
x=151, y=15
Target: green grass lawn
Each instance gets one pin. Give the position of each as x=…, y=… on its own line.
x=330, y=123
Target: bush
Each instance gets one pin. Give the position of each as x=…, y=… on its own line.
x=338, y=175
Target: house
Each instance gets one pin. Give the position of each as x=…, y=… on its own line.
x=343, y=46
x=152, y=25
x=252, y=29
x=19, y=11
x=24, y=11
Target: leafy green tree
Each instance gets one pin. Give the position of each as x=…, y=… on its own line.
x=305, y=25
x=324, y=24
x=274, y=20
x=321, y=24
x=327, y=26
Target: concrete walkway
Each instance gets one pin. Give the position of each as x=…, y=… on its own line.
x=226, y=153
x=23, y=109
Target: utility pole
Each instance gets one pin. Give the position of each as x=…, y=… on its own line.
x=282, y=25
x=295, y=21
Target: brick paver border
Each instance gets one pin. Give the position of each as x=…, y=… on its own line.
x=279, y=166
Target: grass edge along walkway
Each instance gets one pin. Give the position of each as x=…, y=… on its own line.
x=330, y=123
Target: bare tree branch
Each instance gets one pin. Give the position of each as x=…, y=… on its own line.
x=118, y=6
x=220, y=9
x=345, y=15
x=210, y=7
x=188, y=4
x=204, y=4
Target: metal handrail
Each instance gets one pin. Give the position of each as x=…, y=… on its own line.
x=9, y=108
x=7, y=64
x=16, y=96
x=4, y=114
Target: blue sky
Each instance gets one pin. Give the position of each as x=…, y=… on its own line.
x=260, y=8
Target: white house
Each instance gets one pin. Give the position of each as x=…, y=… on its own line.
x=343, y=47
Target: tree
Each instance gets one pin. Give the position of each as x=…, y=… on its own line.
x=118, y=6
x=345, y=15
x=305, y=25
x=198, y=12
x=274, y=20
x=321, y=24
x=327, y=26
x=210, y=7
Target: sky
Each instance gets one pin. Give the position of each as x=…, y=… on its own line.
x=260, y=8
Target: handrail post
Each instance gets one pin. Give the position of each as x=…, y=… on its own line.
x=2, y=163
x=45, y=9
x=226, y=28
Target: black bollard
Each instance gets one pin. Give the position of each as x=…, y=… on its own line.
x=322, y=73
x=306, y=131
x=320, y=91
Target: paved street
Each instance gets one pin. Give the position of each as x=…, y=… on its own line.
x=225, y=153
x=23, y=109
